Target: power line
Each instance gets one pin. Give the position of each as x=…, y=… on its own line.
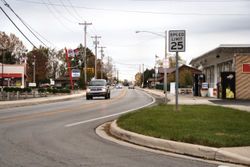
x=25, y=24
x=70, y=13
x=17, y=27
x=57, y=18
x=149, y=12
x=53, y=6
x=74, y=9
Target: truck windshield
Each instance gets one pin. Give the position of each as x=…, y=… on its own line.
x=97, y=83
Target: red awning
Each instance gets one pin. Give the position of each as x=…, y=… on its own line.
x=13, y=75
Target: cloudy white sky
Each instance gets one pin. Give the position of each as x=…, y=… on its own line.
x=208, y=23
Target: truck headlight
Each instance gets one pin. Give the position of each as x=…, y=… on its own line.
x=88, y=90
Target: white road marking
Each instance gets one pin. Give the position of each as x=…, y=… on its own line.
x=112, y=115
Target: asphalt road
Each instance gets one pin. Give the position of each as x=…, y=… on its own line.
x=63, y=134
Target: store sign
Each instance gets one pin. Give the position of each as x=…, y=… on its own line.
x=246, y=68
x=165, y=63
x=31, y=84
x=204, y=85
x=75, y=73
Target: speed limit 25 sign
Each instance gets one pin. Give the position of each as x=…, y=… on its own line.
x=177, y=40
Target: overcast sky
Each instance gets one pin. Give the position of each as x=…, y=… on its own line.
x=208, y=23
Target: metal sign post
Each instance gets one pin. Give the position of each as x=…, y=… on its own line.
x=177, y=40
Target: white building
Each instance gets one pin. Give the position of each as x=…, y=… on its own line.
x=224, y=59
x=13, y=75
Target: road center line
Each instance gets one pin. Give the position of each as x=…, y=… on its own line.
x=112, y=115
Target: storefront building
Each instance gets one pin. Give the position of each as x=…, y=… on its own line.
x=224, y=64
x=13, y=75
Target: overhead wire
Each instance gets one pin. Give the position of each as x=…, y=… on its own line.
x=57, y=11
x=70, y=13
x=57, y=18
x=18, y=28
x=25, y=24
x=75, y=11
x=150, y=12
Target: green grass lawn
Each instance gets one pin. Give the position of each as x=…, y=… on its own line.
x=198, y=124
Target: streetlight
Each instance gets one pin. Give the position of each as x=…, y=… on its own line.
x=165, y=68
x=34, y=69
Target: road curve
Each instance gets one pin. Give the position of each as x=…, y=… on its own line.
x=63, y=134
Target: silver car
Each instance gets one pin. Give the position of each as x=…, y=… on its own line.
x=98, y=88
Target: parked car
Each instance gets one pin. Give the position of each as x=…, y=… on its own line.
x=98, y=88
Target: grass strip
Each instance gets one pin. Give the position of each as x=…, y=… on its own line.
x=197, y=124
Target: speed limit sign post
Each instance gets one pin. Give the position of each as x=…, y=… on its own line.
x=177, y=43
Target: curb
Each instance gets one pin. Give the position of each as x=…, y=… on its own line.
x=178, y=147
x=34, y=101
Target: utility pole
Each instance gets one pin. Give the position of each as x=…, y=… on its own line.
x=142, y=75
x=84, y=58
x=34, y=70
x=96, y=42
x=114, y=72
x=117, y=75
x=102, y=55
x=2, y=79
x=165, y=69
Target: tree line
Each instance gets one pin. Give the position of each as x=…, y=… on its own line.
x=49, y=63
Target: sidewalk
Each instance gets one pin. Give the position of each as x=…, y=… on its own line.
x=238, y=155
x=40, y=100
x=190, y=99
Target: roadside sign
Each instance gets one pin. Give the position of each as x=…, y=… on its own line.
x=177, y=43
x=165, y=63
x=177, y=40
x=246, y=68
x=75, y=73
x=32, y=84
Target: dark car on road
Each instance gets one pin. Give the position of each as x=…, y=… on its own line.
x=98, y=88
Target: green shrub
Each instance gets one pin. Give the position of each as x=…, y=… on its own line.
x=27, y=90
x=65, y=90
x=49, y=90
x=9, y=89
x=41, y=90
x=54, y=91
